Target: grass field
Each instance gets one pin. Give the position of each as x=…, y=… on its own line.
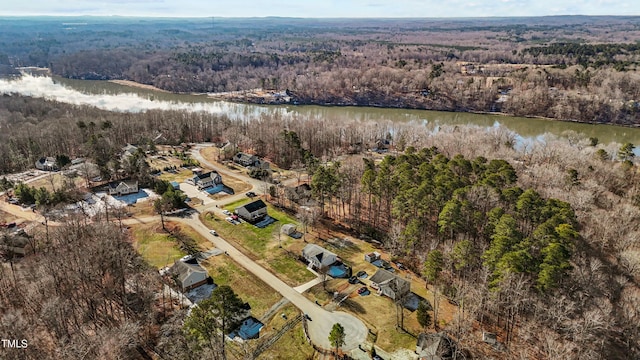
x=258, y=294
x=263, y=245
x=155, y=246
x=180, y=176
x=159, y=248
x=292, y=345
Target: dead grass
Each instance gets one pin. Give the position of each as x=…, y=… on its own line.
x=6, y=217
x=258, y=294
x=293, y=344
x=155, y=245
x=179, y=177
x=56, y=181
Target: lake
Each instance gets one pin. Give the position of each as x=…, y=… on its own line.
x=115, y=97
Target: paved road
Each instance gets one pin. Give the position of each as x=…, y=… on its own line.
x=321, y=320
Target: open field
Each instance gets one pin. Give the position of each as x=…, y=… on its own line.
x=263, y=245
x=259, y=295
x=291, y=345
x=155, y=246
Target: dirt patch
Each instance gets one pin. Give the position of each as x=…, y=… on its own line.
x=137, y=85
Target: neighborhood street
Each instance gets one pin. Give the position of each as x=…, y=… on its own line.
x=320, y=321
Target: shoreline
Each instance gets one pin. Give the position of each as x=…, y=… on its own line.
x=225, y=96
x=138, y=85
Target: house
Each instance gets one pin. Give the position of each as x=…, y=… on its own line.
x=249, y=329
x=318, y=257
x=438, y=346
x=129, y=150
x=249, y=160
x=245, y=159
x=371, y=257
x=205, y=180
x=188, y=274
x=123, y=188
x=252, y=211
x=390, y=285
x=47, y=164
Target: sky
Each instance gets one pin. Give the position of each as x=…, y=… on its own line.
x=319, y=8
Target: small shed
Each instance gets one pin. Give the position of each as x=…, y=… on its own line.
x=288, y=229
x=371, y=257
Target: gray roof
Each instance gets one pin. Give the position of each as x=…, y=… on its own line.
x=128, y=183
x=206, y=175
x=182, y=270
x=436, y=346
x=387, y=278
x=313, y=250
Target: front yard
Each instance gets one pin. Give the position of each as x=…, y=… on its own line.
x=266, y=246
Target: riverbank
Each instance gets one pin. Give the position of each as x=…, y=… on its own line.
x=138, y=85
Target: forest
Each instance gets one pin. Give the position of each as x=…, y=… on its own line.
x=541, y=243
x=568, y=67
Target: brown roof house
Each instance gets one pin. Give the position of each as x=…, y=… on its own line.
x=188, y=273
x=390, y=285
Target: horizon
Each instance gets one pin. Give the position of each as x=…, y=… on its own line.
x=327, y=9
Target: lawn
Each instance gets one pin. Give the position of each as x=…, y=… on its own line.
x=159, y=248
x=249, y=288
x=181, y=176
x=155, y=246
x=377, y=312
x=56, y=181
x=262, y=245
x=293, y=344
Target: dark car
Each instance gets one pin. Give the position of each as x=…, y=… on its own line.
x=362, y=290
x=251, y=194
x=400, y=266
x=361, y=274
x=353, y=280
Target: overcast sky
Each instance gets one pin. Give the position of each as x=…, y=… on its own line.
x=320, y=8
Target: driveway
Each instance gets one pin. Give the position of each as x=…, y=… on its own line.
x=321, y=320
x=193, y=192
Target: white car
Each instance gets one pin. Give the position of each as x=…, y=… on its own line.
x=226, y=212
x=213, y=232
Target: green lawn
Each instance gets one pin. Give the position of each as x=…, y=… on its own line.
x=263, y=245
x=158, y=249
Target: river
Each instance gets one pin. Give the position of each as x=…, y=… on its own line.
x=115, y=97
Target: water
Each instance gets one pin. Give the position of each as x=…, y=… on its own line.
x=114, y=97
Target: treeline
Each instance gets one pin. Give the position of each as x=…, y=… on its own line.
x=85, y=293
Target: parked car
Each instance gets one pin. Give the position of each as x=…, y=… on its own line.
x=362, y=290
x=226, y=212
x=229, y=219
x=353, y=280
x=400, y=266
x=362, y=274
x=251, y=194
x=213, y=232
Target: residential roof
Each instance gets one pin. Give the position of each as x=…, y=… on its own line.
x=383, y=276
x=128, y=183
x=244, y=156
x=436, y=346
x=313, y=250
x=184, y=269
x=206, y=175
x=254, y=206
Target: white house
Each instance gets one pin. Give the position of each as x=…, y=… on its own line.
x=123, y=188
x=205, y=180
x=47, y=164
x=318, y=257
